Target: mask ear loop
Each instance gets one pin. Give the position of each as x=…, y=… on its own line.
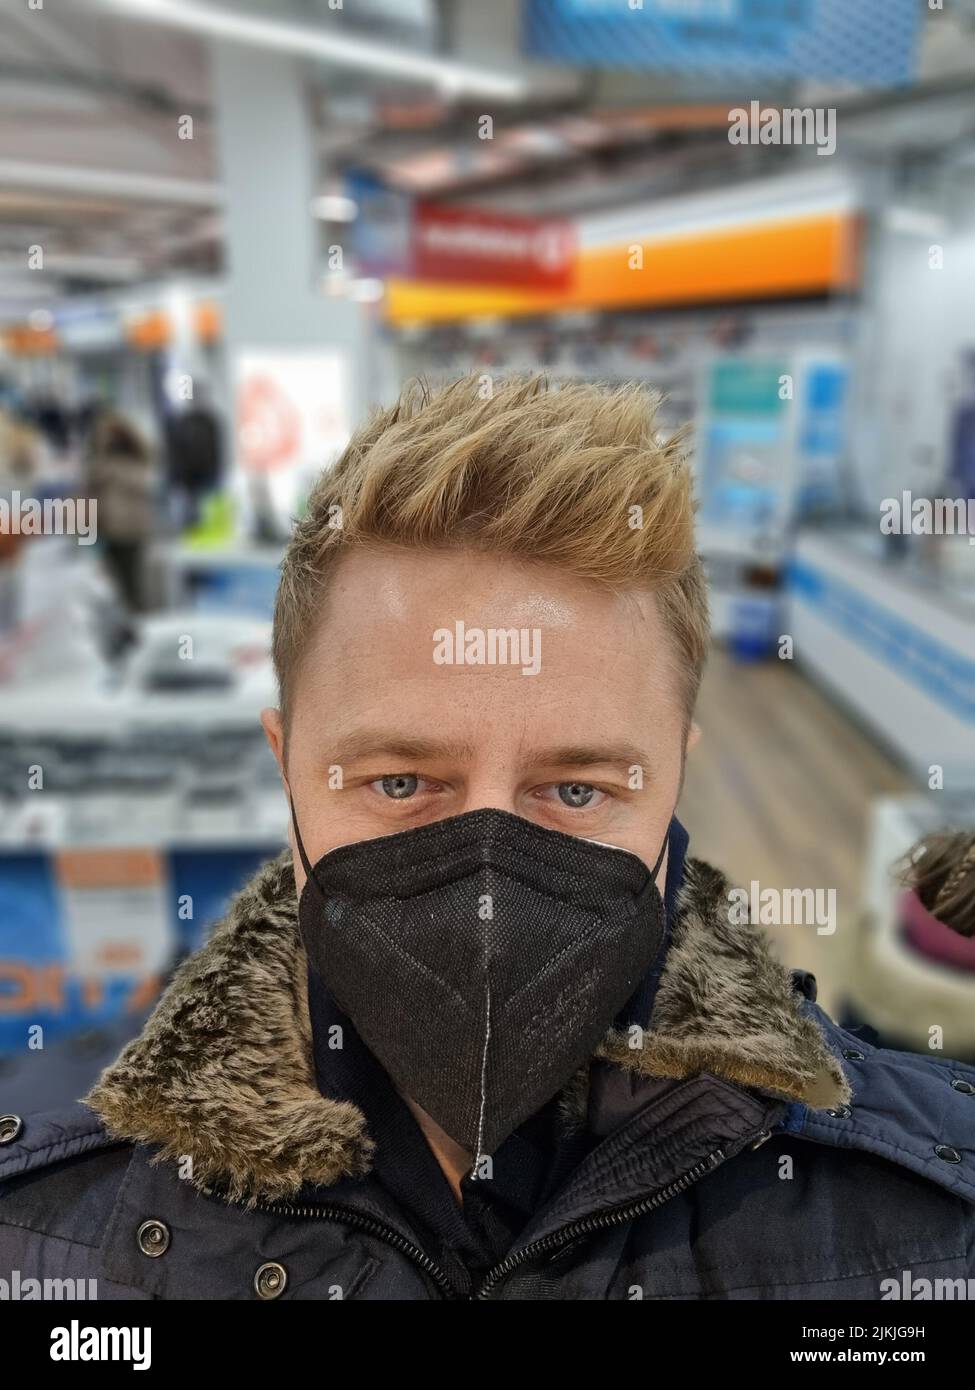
x=309, y=871
x=651, y=884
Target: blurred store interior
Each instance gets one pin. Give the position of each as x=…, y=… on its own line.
x=228, y=229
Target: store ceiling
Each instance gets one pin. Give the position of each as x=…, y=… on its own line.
x=90, y=166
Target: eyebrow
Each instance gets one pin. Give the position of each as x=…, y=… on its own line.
x=592, y=755
x=367, y=744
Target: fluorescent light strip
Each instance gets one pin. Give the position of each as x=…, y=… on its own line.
x=309, y=42
x=108, y=183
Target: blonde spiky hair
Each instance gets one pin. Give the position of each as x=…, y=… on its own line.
x=550, y=476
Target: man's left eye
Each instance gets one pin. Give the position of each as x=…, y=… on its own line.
x=576, y=794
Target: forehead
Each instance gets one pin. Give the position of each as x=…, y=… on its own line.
x=603, y=658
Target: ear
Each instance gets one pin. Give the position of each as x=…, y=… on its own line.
x=274, y=733
x=693, y=734
x=273, y=727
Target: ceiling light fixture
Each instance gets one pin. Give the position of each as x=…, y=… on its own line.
x=342, y=49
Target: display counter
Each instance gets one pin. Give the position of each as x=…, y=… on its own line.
x=894, y=644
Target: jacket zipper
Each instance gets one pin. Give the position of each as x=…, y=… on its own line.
x=369, y=1226
x=586, y=1225
x=565, y=1236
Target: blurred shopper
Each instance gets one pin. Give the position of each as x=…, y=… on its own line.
x=20, y=465
x=940, y=874
x=20, y=453
x=486, y=1030
x=193, y=449
x=912, y=973
x=962, y=458
x=122, y=480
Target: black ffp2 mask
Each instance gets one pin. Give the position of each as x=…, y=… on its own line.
x=481, y=958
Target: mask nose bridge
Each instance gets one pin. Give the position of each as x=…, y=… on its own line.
x=486, y=852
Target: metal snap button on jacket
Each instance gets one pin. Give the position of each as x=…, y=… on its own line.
x=854, y=1054
x=270, y=1280
x=10, y=1128
x=841, y=1112
x=966, y=1087
x=153, y=1238
x=949, y=1154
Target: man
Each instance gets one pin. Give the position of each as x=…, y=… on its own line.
x=485, y=1031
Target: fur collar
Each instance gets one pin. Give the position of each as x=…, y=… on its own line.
x=223, y=1069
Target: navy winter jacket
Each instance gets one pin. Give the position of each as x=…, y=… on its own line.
x=745, y=1147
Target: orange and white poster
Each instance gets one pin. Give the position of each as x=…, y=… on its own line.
x=292, y=420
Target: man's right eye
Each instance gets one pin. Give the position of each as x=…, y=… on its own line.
x=401, y=786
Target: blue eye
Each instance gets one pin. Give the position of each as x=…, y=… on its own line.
x=400, y=787
x=576, y=793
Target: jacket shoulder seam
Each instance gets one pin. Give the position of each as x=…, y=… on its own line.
x=24, y=1160
x=890, y=1151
